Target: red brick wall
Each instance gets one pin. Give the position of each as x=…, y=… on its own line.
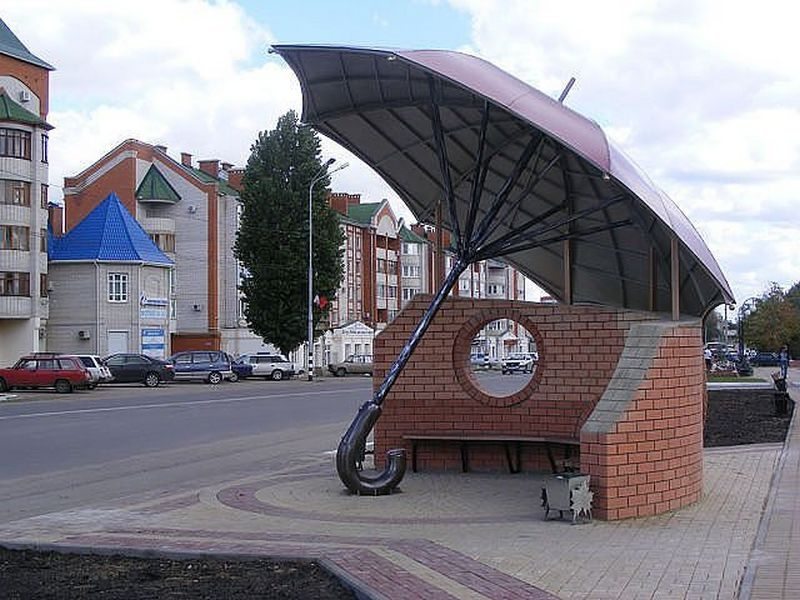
x=579, y=350
x=120, y=179
x=650, y=460
x=35, y=77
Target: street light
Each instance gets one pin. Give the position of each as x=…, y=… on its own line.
x=321, y=174
x=749, y=304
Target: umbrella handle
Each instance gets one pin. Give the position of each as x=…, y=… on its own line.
x=351, y=446
x=351, y=450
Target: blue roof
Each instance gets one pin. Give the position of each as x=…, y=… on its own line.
x=109, y=234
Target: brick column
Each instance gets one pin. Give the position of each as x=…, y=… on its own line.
x=643, y=443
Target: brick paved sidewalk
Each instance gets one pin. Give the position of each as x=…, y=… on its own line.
x=446, y=535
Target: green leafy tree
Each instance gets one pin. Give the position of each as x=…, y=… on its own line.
x=272, y=242
x=775, y=321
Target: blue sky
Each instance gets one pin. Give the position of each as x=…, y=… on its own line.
x=705, y=100
x=397, y=24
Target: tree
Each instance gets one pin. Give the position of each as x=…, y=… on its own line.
x=272, y=242
x=775, y=321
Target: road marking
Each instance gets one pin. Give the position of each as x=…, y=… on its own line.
x=81, y=411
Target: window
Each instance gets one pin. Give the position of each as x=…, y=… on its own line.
x=45, y=139
x=43, y=285
x=15, y=143
x=117, y=287
x=44, y=196
x=165, y=241
x=410, y=248
x=15, y=192
x=43, y=240
x=13, y=283
x=381, y=265
x=14, y=237
x=409, y=293
x=411, y=271
x=494, y=289
x=392, y=266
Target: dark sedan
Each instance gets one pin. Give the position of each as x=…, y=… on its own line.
x=239, y=369
x=139, y=368
x=764, y=359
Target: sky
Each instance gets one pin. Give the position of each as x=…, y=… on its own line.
x=703, y=94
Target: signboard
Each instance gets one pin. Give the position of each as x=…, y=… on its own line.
x=153, y=309
x=153, y=342
x=357, y=328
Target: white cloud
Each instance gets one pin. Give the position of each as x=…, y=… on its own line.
x=704, y=95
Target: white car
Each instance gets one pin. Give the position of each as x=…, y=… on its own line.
x=269, y=366
x=98, y=371
x=518, y=361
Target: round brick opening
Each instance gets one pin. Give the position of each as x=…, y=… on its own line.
x=482, y=384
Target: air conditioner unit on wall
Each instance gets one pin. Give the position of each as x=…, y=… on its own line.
x=24, y=96
x=84, y=335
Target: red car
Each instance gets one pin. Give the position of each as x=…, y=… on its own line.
x=59, y=371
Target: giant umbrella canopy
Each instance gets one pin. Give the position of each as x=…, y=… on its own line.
x=520, y=176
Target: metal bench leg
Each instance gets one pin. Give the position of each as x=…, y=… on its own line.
x=464, y=457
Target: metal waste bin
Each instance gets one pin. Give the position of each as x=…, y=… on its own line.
x=566, y=492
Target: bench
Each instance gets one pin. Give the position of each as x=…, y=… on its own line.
x=510, y=442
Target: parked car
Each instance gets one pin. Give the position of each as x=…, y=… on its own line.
x=139, y=368
x=269, y=366
x=60, y=371
x=211, y=366
x=764, y=359
x=359, y=364
x=518, y=361
x=239, y=369
x=94, y=364
x=479, y=361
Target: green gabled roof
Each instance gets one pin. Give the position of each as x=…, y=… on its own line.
x=154, y=186
x=11, y=111
x=409, y=236
x=363, y=213
x=223, y=185
x=11, y=46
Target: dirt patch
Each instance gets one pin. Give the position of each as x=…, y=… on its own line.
x=737, y=417
x=49, y=576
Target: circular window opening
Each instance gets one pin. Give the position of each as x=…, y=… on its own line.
x=503, y=358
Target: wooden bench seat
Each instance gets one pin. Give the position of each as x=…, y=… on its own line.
x=512, y=443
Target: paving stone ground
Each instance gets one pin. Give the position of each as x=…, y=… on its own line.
x=476, y=536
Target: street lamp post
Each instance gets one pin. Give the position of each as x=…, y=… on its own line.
x=321, y=174
x=744, y=364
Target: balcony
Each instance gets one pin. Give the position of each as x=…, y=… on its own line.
x=158, y=224
x=16, y=307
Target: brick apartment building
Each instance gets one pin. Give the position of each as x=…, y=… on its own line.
x=24, y=94
x=192, y=214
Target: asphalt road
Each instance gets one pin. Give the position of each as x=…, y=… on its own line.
x=93, y=447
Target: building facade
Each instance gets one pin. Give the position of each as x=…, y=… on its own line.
x=24, y=89
x=386, y=264
x=192, y=214
x=110, y=287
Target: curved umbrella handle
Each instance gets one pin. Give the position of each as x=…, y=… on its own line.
x=351, y=449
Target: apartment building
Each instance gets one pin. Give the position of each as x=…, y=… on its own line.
x=386, y=264
x=192, y=214
x=24, y=96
